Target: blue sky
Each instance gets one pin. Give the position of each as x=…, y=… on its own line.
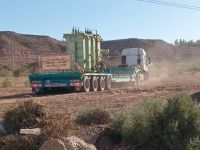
x=114, y=19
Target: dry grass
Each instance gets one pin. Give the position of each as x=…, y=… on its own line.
x=31, y=114
x=4, y=107
x=15, y=82
x=93, y=116
x=28, y=114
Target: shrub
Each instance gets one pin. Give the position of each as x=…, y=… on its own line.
x=154, y=126
x=25, y=115
x=116, y=127
x=6, y=83
x=93, y=116
x=30, y=114
x=19, y=72
x=178, y=124
x=137, y=128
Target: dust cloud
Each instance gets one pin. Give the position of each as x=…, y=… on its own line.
x=179, y=72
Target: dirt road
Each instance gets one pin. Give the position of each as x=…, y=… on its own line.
x=118, y=99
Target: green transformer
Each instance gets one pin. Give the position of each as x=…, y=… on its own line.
x=85, y=47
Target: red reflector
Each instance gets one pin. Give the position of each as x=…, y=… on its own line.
x=36, y=85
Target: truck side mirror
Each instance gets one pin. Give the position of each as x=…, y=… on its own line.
x=148, y=60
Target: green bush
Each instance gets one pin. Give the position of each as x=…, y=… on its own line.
x=137, y=128
x=116, y=127
x=93, y=116
x=178, y=124
x=154, y=126
x=19, y=72
x=6, y=83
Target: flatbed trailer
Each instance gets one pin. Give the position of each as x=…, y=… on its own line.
x=72, y=81
x=76, y=81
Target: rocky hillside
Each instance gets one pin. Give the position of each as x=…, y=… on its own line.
x=158, y=50
x=21, y=49
x=34, y=44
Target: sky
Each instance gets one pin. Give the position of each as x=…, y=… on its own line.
x=113, y=19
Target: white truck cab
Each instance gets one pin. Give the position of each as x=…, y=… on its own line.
x=135, y=56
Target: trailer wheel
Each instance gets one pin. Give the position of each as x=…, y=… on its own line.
x=108, y=82
x=94, y=84
x=86, y=84
x=102, y=84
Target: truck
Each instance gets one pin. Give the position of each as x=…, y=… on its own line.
x=85, y=66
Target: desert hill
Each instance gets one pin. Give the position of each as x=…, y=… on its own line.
x=158, y=50
x=18, y=48
x=22, y=48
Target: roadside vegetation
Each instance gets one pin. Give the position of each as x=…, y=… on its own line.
x=5, y=71
x=11, y=72
x=183, y=42
x=20, y=72
x=14, y=77
x=31, y=114
x=6, y=82
x=93, y=116
x=152, y=124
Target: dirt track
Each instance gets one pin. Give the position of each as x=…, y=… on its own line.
x=164, y=81
x=118, y=99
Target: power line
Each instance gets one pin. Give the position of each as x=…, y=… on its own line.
x=171, y=4
x=179, y=5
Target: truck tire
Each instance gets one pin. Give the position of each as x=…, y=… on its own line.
x=108, y=82
x=102, y=83
x=94, y=84
x=86, y=84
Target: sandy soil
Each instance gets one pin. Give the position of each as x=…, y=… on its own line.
x=165, y=80
x=116, y=100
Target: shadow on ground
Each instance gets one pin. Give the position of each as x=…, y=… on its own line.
x=29, y=95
